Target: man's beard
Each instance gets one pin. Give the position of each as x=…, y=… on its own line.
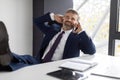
x=68, y=25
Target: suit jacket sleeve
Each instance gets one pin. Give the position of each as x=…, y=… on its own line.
x=42, y=23
x=88, y=46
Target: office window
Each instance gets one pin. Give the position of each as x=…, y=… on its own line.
x=119, y=18
x=117, y=47
x=117, y=41
x=94, y=18
x=114, y=36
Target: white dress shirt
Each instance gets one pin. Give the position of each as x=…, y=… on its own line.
x=58, y=54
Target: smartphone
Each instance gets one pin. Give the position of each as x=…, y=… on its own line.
x=77, y=26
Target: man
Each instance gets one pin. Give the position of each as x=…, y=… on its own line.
x=73, y=40
x=10, y=61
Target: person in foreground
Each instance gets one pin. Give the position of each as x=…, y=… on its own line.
x=73, y=39
x=10, y=61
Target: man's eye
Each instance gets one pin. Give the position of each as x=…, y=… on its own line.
x=67, y=17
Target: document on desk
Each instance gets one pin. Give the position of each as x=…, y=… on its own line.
x=111, y=69
x=78, y=64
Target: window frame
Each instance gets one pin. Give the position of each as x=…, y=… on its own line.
x=114, y=26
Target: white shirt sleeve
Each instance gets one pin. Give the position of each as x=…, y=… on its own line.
x=80, y=31
x=52, y=16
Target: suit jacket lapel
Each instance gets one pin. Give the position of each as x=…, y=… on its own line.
x=68, y=44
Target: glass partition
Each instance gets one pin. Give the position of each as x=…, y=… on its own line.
x=117, y=47
x=94, y=18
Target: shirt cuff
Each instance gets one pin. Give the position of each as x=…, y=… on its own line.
x=80, y=31
x=52, y=16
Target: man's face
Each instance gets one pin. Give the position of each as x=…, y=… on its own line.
x=69, y=20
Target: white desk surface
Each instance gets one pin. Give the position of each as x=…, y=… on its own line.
x=38, y=72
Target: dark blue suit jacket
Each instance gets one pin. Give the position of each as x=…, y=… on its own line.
x=74, y=44
x=18, y=62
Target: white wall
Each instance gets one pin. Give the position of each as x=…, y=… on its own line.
x=17, y=16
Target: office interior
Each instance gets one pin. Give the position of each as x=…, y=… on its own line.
x=100, y=18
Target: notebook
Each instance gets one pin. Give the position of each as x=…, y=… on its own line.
x=78, y=64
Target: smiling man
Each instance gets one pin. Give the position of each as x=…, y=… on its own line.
x=73, y=38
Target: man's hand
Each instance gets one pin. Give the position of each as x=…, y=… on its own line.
x=58, y=18
x=77, y=28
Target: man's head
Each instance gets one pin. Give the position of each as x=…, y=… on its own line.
x=5, y=53
x=71, y=17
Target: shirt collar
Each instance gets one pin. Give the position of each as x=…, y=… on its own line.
x=68, y=31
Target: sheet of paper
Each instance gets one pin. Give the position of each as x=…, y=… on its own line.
x=77, y=60
x=110, y=69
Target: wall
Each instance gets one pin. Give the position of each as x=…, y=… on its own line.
x=17, y=16
x=57, y=6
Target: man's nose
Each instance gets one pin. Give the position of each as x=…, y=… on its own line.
x=69, y=19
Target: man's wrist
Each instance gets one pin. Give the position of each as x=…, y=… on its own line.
x=80, y=31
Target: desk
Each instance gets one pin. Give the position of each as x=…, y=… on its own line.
x=38, y=72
